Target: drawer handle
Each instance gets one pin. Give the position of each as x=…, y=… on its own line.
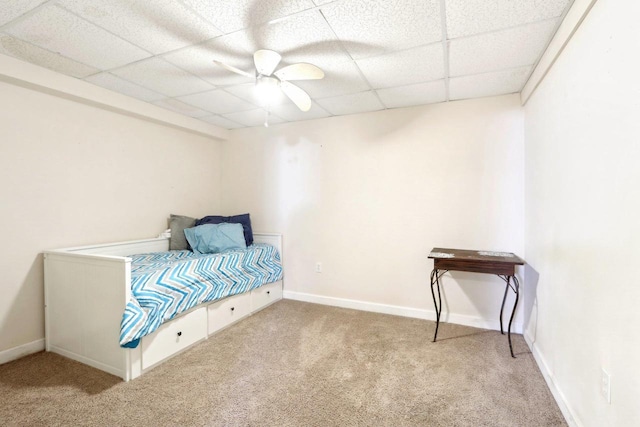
x=179, y=333
x=233, y=308
x=268, y=292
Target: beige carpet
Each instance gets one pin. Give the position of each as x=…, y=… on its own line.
x=298, y=364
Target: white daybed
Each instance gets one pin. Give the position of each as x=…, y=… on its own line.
x=87, y=289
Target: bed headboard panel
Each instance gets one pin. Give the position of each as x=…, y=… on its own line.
x=161, y=244
x=131, y=247
x=272, y=239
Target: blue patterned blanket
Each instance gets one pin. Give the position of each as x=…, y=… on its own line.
x=165, y=284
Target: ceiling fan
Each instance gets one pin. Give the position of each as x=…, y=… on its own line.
x=270, y=82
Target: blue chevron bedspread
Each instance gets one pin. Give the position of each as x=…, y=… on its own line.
x=165, y=284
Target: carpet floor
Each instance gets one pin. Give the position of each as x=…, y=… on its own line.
x=298, y=364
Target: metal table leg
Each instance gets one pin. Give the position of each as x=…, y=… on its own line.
x=515, y=286
x=504, y=299
x=435, y=280
x=516, y=289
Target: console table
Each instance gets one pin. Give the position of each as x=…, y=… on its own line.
x=502, y=264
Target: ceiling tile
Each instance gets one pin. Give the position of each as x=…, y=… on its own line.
x=36, y=55
x=57, y=30
x=418, y=94
x=232, y=49
x=218, y=102
x=488, y=84
x=247, y=92
x=232, y=15
x=292, y=113
x=10, y=10
x=222, y=122
x=351, y=104
x=157, y=26
x=468, y=17
x=253, y=117
x=291, y=34
x=415, y=65
x=510, y=48
x=375, y=26
x=181, y=108
x=116, y=84
x=160, y=76
x=339, y=79
x=324, y=54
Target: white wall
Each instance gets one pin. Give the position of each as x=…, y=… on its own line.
x=369, y=195
x=73, y=174
x=582, y=132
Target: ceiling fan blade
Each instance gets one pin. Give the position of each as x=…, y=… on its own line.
x=297, y=95
x=234, y=69
x=266, y=61
x=300, y=71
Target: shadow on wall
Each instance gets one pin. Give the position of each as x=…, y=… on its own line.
x=20, y=312
x=530, y=302
x=375, y=129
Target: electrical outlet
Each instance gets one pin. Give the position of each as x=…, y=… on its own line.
x=318, y=267
x=605, y=386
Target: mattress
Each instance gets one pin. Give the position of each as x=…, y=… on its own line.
x=165, y=284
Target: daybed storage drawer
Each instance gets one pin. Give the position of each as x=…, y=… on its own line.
x=174, y=336
x=227, y=311
x=265, y=295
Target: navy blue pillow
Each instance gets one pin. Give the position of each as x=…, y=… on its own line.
x=243, y=219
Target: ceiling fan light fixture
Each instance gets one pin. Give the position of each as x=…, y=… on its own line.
x=267, y=89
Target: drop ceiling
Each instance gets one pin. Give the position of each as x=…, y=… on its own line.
x=376, y=54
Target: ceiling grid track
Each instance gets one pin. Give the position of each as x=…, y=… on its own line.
x=355, y=64
x=445, y=46
x=373, y=50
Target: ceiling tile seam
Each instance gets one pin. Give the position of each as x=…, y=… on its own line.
x=188, y=72
x=338, y=39
x=269, y=112
x=151, y=54
x=160, y=93
x=500, y=70
x=290, y=16
x=2, y=33
x=500, y=30
x=362, y=76
x=546, y=46
x=276, y=20
x=111, y=70
x=128, y=81
x=244, y=100
x=27, y=14
x=321, y=108
x=220, y=116
x=204, y=42
x=404, y=49
x=346, y=94
x=486, y=96
x=445, y=47
x=408, y=84
x=202, y=18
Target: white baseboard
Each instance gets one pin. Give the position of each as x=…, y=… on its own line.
x=569, y=416
x=21, y=351
x=460, y=319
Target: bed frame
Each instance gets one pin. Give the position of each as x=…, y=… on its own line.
x=88, y=287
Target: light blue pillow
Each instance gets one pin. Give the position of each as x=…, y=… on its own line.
x=214, y=238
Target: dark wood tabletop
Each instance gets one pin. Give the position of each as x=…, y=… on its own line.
x=491, y=262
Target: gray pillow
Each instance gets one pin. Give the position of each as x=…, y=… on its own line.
x=177, y=224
